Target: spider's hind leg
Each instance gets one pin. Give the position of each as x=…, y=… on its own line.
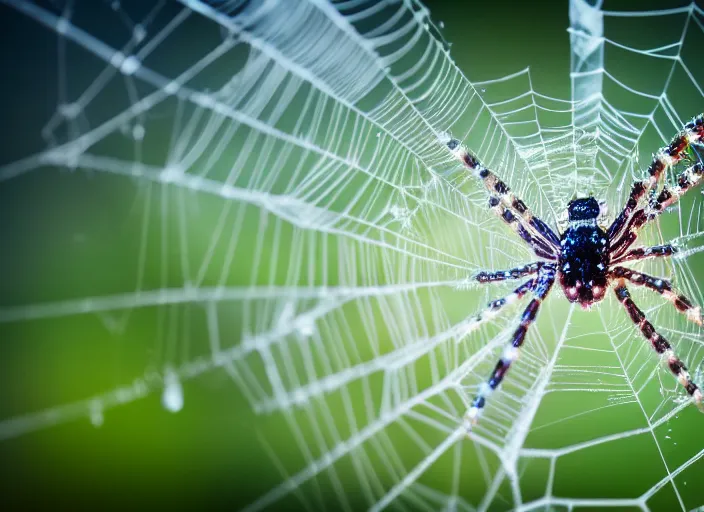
x=660, y=344
x=664, y=288
x=541, y=287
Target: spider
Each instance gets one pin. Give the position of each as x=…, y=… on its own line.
x=586, y=259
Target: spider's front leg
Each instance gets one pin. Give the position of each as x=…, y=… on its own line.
x=541, y=288
x=686, y=180
x=667, y=156
x=660, y=344
x=622, y=230
x=512, y=210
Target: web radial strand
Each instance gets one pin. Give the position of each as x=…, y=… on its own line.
x=290, y=237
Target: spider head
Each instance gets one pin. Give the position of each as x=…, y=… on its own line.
x=583, y=209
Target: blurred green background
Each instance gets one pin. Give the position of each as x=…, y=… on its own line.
x=76, y=234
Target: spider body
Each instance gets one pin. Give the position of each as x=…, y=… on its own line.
x=586, y=259
x=584, y=255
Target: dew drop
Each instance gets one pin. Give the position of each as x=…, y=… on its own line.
x=96, y=414
x=139, y=33
x=172, y=398
x=70, y=110
x=138, y=132
x=129, y=65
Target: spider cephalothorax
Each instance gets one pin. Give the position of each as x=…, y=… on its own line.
x=584, y=254
x=586, y=258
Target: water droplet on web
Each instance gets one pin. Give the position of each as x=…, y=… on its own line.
x=172, y=398
x=138, y=132
x=62, y=25
x=139, y=33
x=129, y=65
x=305, y=327
x=299, y=397
x=96, y=414
x=441, y=24
x=70, y=110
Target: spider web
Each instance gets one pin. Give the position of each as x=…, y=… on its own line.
x=246, y=206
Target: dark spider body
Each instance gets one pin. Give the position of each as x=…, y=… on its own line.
x=587, y=259
x=584, y=254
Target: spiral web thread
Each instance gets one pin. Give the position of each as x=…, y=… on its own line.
x=337, y=237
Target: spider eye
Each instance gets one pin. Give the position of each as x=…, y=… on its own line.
x=583, y=209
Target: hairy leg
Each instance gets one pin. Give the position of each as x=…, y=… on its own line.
x=664, y=288
x=686, y=180
x=510, y=208
x=505, y=275
x=659, y=344
x=492, y=309
x=642, y=253
x=542, y=285
x=666, y=157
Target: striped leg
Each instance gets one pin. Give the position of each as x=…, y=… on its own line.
x=642, y=253
x=660, y=344
x=540, y=246
x=637, y=192
x=664, y=288
x=543, y=283
x=686, y=180
x=667, y=156
x=509, y=207
x=505, y=275
x=492, y=309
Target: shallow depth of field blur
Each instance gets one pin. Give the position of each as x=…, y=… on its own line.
x=72, y=234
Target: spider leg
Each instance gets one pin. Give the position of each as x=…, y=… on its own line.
x=689, y=178
x=540, y=246
x=667, y=156
x=660, y=344
x=642, y=253
x=510, y=208
x=504, y=275
x=664, y=288
x=492, y=308
x=541, y=288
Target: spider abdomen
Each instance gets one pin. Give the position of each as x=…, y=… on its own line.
x=584, y=262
